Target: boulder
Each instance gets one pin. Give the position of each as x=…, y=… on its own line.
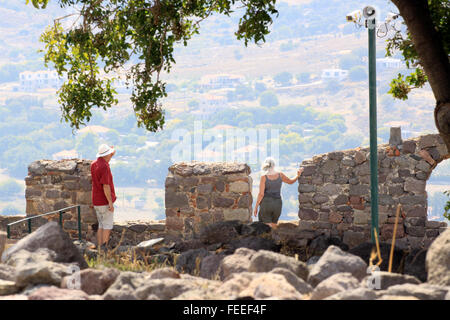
x=52, y=237
x=38, y=268
x=321, y=243
x=164, y=273
x=222, y=231
x=364, y=249
x=389, y=297
x=299, y=284
x=421, y=291
x=415, y=264
x=270, y=286
x=336, y=283
x=8, y=287
x=333, y=261
x=236, y=263
x=125, y=285
x=388, y=279
x=168, y=288
x=190, y=261
x=209, y=267
x=438, y=260
x=92, y=281
x=54, y=293
x=255, y=229
x=255, y=243
x=265, y=261
x=235, y=283
x=6, y=272
x=355, y=294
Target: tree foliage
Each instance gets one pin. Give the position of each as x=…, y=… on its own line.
x=109, y=35
x=403, y=84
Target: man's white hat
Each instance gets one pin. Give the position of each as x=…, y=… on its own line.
x=104, y=150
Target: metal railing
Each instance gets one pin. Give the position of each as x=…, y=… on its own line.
x=60, y=212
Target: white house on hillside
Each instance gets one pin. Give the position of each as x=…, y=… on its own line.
x=337, y=74
x=32, y=81
x=220, y=81
x=389, y=63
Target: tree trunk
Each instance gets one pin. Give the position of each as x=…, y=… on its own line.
x=432, y=57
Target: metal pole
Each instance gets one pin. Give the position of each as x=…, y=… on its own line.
x=8, y=231
x=79, y=222
x=373, y=128
x=61, y=218
x=29, y=225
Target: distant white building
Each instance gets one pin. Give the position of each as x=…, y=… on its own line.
x=32, y=81
x=220, y=81
x=337, y=74
x=389, y=63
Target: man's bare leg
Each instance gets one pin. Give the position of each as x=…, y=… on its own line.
x=99, y=237
x=106, y=233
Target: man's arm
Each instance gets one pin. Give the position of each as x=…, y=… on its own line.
x=107, y=191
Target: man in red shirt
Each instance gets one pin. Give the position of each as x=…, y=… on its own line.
x=103, y=194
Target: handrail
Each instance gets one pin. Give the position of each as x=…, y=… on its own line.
x=60, y=211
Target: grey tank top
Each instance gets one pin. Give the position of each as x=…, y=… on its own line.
x=273, y=187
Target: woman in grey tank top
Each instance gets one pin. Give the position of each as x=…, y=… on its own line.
x=269, y=197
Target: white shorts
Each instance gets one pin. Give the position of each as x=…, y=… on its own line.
x=105, y=217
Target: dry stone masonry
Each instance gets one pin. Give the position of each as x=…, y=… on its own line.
x=334, y=192
x=201, y=193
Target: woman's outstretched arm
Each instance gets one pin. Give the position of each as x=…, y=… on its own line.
x=262, y=186
x=291, y=181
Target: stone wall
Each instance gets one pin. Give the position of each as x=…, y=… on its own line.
x=200, y=193
x=53, y=185
x=334, y=192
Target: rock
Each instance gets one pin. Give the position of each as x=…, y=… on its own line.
x=190, y=261
x=389, y=297
x=255, y=243
x=415, y=264
x=54, y=293
x=389, y=279
x=265, y=261
x=8, y=287
x=364, y=249
x=124, y=286
x=38, y=268
x=422, y=291
x=164, y=273
x=165, y=289
x=395, y=137
x=438, y=260
x=333, y=261
x=255, y=229
x=149, y=243
x=269, y=285
x=299, y=284
x=336, y=283
x=222, y=231
x=14, y=297
x=6, y=272
x=92, y=281
x=236, y=263
x=355, y=294
x=235, y=283
x=209, y=267
x=321, y=243
x=182, y=246
x=52, y=237
x=313, y=260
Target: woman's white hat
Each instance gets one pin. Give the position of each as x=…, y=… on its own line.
x=104, y=150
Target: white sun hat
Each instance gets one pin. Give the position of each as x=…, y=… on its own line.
x=104, y=150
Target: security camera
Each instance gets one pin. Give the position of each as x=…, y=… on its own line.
x=391, y=16
x=354, y=16
x=369, y=12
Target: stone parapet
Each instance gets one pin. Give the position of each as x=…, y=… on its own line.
x=201, y=193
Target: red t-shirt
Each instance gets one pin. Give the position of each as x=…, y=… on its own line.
x=101, y=174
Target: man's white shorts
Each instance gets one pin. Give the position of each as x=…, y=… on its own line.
x=105, y=217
